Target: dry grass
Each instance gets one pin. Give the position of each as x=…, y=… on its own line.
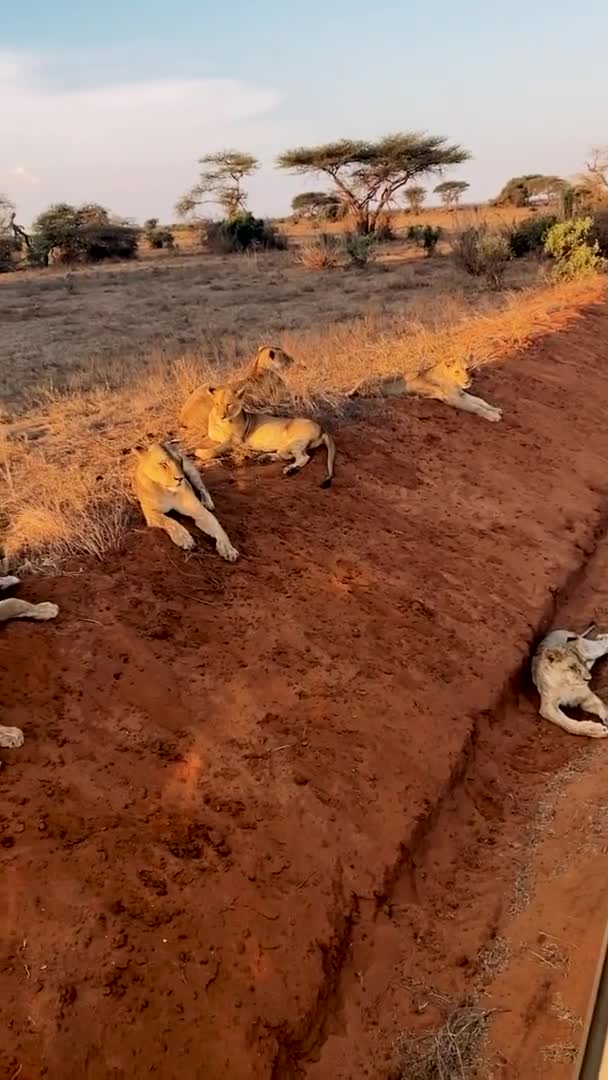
x=65, y=462
x=449, y=1052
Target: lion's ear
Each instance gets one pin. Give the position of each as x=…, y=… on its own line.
x=211, y=389
x=241, y=391
x=271, y=354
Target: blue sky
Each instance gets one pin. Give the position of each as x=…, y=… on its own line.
x=115, y=101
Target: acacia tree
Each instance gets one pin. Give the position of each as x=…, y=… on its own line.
x=316, y=204
x=450, y=192
x=519, y=190
x=220, y=182
x=595, y=178
x=370, y=175
x=414, y=197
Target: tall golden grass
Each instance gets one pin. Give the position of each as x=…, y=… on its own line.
x=65, y=466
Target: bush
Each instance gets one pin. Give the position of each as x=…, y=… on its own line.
x=321, y=253
x=575, y=254
x=599, y=231
x=384, y=232
x=359, y=249
x=101, y=242
x=482, y=253
x=529, y=236
x=80, y=234
x=8, y=248
x=157, y=235
x=242, y=232
x=425, y=236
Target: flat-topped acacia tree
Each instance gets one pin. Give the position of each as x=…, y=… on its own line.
x=220, y=181
x=369, y=175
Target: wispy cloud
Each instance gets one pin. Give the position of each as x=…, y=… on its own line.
x=131, y=146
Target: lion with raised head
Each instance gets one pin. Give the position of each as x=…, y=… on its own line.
x=261, y=383
x=285, y=438
x=561, y=672
x=166, y=480
x=447, y=382
x=11, y=737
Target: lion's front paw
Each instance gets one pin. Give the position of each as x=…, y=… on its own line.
x=227, y=551
x=494, y=415
x=11, y=738
x=183, y=539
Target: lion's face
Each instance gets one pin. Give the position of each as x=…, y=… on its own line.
x=163, y=468
x=227, y=402
x=272, y=358
x=458, y=374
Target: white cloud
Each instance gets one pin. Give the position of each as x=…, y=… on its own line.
x=132, y=146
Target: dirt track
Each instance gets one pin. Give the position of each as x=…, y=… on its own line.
x=259, y=806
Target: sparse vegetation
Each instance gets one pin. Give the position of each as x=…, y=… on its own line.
x=449, y=1052
x=369, y=176
x=426, y=237
x=80, y=234
x=575, y=254
x=322, y=252
x=482, y=253
x=360, y=250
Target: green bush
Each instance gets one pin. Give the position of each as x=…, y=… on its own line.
x=359, y=249
x=599, y=231
x=575, y=255
x=158, y=236
x=80, y=234
x=529, y=235
x=243, y=232
x=482, y=253
x=425, y=236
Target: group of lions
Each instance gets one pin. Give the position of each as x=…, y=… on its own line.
x=230, y=417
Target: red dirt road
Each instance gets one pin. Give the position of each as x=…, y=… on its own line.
x=232, y=774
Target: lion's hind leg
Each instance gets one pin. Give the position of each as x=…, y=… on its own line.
x=550, y=710
x=298, y=452
x=21, y=609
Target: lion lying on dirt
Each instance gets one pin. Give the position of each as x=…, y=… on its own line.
x=561, y=670
x=262, y=383
x=447, y=382
x=165, y=480
x=12, y=737
x=285, y=438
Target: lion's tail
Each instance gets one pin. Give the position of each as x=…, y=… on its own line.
x=328, y=440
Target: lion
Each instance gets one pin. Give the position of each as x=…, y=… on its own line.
x=11, y=737
x=561, y=671
x=261, y=382
x=285, y=438
x=447, y=382
x=165, y=480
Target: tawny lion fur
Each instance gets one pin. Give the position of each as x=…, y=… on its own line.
x=166, y=480
x=561, y=671
x=287, y=439
x=446, y=382
x=12, y=737
x=262, y=384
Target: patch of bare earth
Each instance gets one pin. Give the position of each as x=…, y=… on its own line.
x=266, y=812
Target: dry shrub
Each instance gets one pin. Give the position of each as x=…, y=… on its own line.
x=323, y=252
x=450, y=1052
x=482, y=253
x=65, y=466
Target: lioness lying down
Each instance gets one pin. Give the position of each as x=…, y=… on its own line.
x=12, y=737
x=561, y=670
x=287, y=439
x=261, y=384
x=165, y=480
x=447, y=382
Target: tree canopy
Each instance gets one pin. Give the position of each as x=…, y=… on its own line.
x=220, y=181
x=450, y=191
x=369, y=175
x=520, y=190
x=414, y=196
x=315, y=204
